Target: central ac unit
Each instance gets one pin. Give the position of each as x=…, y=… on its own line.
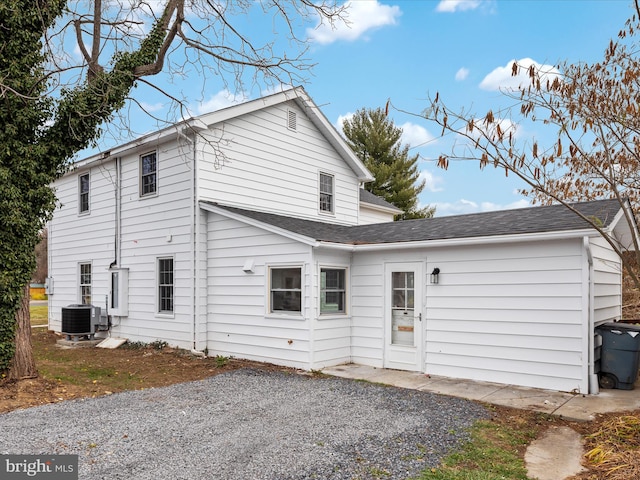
x=80, y=320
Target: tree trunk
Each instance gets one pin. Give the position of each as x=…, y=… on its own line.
x=23, y=364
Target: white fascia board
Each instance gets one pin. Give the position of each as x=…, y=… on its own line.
x=192, y=125
x=250, y=106
x=456, y=242
x=263, y=226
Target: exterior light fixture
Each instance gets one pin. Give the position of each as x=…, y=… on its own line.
x=434, y=275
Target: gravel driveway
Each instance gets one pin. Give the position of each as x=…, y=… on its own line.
x=248, y=424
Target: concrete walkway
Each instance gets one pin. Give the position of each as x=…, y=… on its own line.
x=557, y=455
x=566, y=405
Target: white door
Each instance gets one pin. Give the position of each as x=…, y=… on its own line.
x=403, y=316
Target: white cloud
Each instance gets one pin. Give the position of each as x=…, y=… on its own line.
x=502, y=78
x=342, y=119
x=464, y=206
x=220, y=100
x=462, y=74
x=414, y=135
x=360, y=17
x=451, y=6
x=432, y=182
x=148, y=107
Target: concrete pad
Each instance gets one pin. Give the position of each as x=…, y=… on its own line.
x=464, y=389
x=111, y=342
x=546, y=401
x=555, y=456
x=586, y=407
x=64, y=343
x=350, y=371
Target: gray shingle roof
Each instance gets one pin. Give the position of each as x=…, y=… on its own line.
x=368, y=197
x=504, y=222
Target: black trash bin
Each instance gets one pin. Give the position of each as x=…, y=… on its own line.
x=619, y=356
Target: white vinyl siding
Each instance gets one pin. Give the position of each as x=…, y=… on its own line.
x=267, y=167
x=607, y=280
x=159, y=227
x=508, y=313
x=239, y=324
x=370, y=215
x=331, y=331
x=77, y=238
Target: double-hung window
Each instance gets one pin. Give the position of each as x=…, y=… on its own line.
x=148, y=174
x=85, y=283
x=332, y=290
x=327, y=198
x=84, y=185
x=165, y=285
x=286, y=289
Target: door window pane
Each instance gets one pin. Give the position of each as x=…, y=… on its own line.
x=402, y=309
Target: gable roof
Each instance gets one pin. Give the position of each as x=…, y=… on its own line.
x=298, y=95
x=379, y=202
x=545, y=219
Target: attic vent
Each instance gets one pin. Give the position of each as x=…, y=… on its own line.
x=292, y=118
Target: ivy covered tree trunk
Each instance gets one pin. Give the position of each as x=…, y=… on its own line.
x=25, y=174
x=23, y=364
x=37, y=140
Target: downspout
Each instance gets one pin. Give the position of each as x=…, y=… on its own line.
x=195, y=245
x=594, y=387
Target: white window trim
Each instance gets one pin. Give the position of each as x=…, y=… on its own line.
x=282, y=314
x=347, y=294
x=158, y=312
x=80, y=284
x=333, y=193
x=155, y=193
x=88, y=210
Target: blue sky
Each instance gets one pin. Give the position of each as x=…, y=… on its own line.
x=405, y=51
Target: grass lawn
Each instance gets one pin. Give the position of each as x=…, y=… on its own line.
x=39, y=314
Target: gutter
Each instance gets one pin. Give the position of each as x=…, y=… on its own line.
x=455, y=242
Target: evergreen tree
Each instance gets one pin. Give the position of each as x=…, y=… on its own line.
x=376, y=141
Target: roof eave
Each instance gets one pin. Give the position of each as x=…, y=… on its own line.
x=257, y=223
x=456, y=242
x=381, y=208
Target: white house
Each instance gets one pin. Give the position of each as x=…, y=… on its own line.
x=245, y=232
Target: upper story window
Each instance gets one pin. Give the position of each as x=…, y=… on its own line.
x=327, y=202
x=84, y=184
x=332, y=290
x=148, y=174
x=286, y=289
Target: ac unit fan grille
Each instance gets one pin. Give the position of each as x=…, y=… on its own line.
x=76, y=320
